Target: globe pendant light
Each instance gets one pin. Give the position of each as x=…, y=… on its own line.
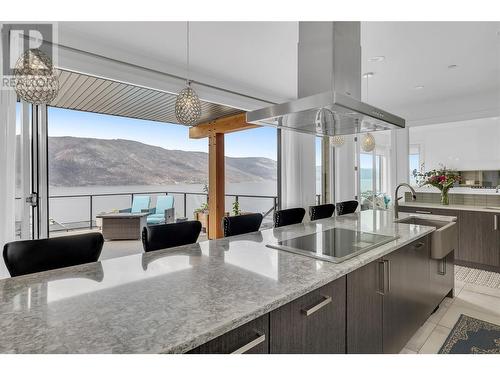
x=368, y=142
x=35, y=80
x=337, y=141
x=187, y=104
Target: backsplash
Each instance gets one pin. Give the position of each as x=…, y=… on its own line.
x=480, y=200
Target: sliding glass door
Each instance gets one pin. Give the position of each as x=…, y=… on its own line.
x=31, y=172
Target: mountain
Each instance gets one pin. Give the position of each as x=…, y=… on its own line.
x=88, y=161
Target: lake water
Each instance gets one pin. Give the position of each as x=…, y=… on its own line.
x=77, y=209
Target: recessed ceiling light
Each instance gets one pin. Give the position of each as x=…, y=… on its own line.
x=452, y=66
x=368, y=75
x=419, y=87
x=376, y=58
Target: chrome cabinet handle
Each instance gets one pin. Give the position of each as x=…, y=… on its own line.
x=381, y=277
x=252, y=344
x=495, y=222
x=442, y=267
x=419, y=245
x=388, y=262
x=423, y=212
x=312, y=310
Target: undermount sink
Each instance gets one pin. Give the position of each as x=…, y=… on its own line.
x=443, y=240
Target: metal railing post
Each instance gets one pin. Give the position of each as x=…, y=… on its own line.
x=90, y=221
x=185, y=205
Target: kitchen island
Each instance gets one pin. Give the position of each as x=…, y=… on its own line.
x=173, y=301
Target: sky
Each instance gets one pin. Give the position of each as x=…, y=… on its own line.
x=63, y=122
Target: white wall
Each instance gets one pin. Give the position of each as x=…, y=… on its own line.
x=463, y=145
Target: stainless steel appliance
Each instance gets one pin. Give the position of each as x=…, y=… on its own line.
x=333, y=245
x=329, y=86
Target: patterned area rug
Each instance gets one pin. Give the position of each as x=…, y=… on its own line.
x=479, y=277
x=472, y=336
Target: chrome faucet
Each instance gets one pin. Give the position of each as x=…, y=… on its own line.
x=396, y=199
x=498, y=187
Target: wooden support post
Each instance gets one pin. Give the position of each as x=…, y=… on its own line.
x=215, y=131
x=216, y=188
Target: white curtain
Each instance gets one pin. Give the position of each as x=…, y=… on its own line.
x=7, y=165
x=298, y=169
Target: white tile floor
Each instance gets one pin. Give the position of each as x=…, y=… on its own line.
x=476, y=300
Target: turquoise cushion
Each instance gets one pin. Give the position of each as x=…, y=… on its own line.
x=163, y=203
x=156, y=220
x=140, y=203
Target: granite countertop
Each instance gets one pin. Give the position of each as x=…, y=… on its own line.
x=170, y=301
x=450, y=207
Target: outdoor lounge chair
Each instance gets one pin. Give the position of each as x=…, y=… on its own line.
x=164, y=209
x=140, y=203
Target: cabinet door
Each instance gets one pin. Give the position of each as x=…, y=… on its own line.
x=479, y=240
x=442, y=276
x=250, y=338
x=405, y=304
x=314, y=323
x=364, y=309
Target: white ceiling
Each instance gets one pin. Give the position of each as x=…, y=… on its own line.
x=419, y=53
x=260, y=59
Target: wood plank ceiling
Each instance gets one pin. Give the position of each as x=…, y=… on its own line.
x=91, y=94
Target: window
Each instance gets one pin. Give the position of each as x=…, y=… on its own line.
x=414, y=160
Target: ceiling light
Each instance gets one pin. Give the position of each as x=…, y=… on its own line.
x=337, y=141
x=368, y=75
x=452, y=66
x=187, y=104
x=35, y=79
x=376, y=58
x=368, y=143
x=419, y=87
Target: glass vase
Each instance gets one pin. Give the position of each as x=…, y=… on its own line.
x=445, y=200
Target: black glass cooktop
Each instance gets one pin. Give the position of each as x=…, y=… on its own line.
x=333, y=245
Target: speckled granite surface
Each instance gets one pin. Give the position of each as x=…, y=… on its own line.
x=170, y=301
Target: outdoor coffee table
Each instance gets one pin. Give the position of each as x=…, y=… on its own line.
x=122, y=226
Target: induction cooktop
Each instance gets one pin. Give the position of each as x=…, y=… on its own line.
x=333, y=245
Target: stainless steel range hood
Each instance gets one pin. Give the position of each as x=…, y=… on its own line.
x=329, y=86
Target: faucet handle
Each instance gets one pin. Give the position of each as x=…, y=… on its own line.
x=399, y=198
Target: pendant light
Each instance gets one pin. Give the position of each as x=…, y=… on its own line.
x=187, y=104
x=35, y=80
x=368, y=141
x=337, y=141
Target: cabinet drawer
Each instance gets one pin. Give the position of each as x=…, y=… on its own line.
x=250, y=338
x=314, y=323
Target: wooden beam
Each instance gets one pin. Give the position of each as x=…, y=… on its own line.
x=221, y=125
x=216, y=182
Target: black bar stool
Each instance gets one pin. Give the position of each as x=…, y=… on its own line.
x=288, y=216
x=241, y=224
x=347, y=207
x=163, y=236
x=321, y=211
x=30, y=256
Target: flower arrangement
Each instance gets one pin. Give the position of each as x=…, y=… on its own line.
x=442, y=178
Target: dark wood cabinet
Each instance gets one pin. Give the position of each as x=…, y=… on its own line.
x=442, y=276
x=406, y=292
x=313, y=323
x=389, y=299
x=364, y=309
x=250, y=338
x=479, y=238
